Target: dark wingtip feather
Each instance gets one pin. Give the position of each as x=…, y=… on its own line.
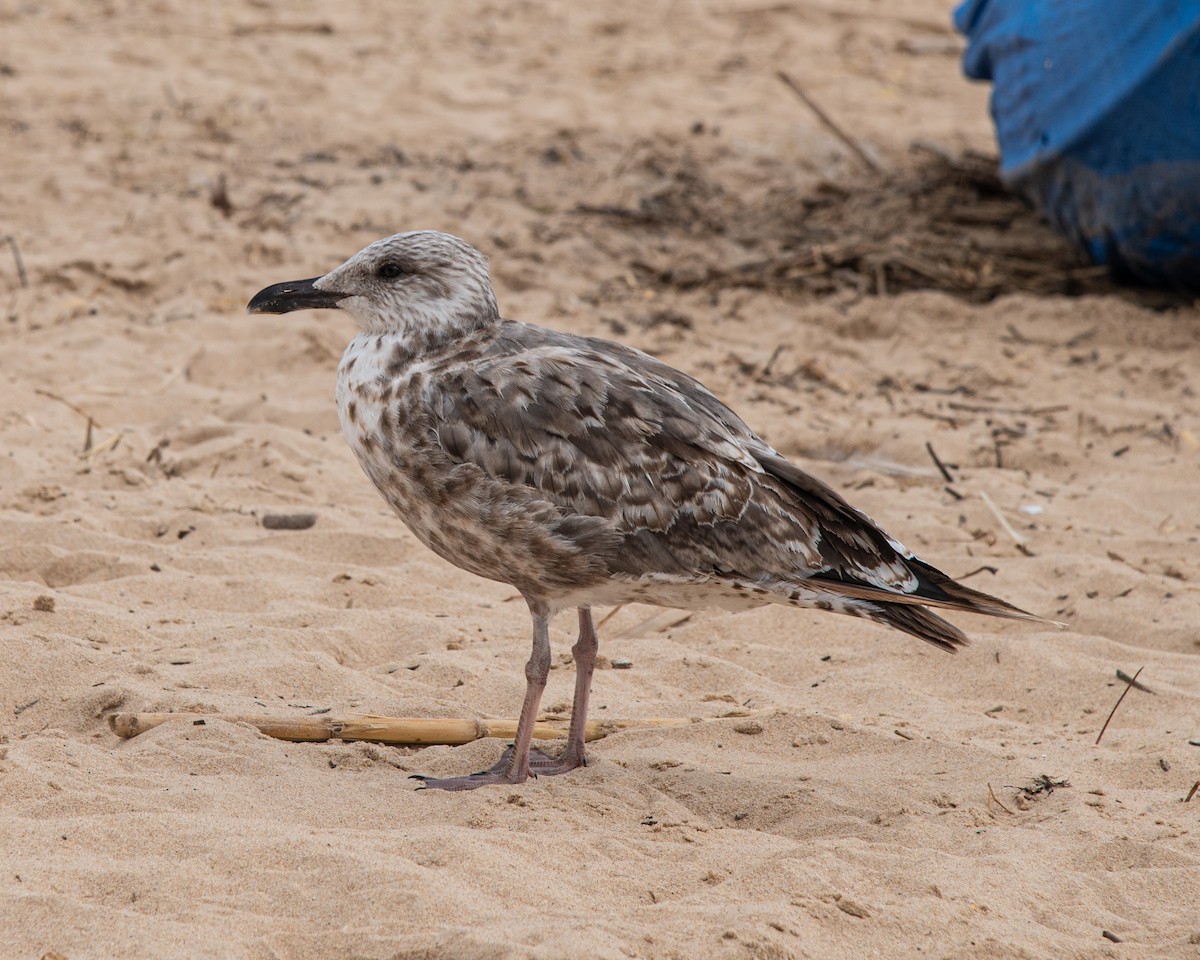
x=937, y=587
x=852, y=546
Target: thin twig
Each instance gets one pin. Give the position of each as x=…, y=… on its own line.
x=1128, y=687
x=65, y=402
x=990, y=504
x=993, y=799
x=1016, y=411
x=1192, y=792
x=611, y=613
x=766, y=370
x=826, y=119
x=109, y=444
x=985, y=568
x=664, y=620
x=938, y=463
x=22, y=276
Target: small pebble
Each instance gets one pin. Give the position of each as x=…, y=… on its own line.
x=288, y=521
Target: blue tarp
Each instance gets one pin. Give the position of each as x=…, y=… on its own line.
x=1097, y=111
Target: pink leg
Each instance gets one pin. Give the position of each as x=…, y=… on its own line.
x=514, y=765
x=584, y=653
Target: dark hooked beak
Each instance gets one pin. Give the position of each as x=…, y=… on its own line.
x=294, y=295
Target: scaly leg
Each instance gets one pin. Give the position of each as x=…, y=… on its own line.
x=514, y=765
x=584, y=653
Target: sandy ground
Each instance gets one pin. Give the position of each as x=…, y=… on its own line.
x=162, y=162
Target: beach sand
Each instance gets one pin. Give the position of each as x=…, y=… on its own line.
x=844, y=791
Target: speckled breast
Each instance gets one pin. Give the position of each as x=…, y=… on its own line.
x=484, y=526
x=378, y=401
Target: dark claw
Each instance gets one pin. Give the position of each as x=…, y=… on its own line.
x=541, y=764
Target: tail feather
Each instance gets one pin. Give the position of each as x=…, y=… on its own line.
x=917, y=622
x=855, y=550
x=907, y=611
x=934, y=589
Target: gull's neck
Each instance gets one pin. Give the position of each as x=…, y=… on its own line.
x=421, y=332
x=430, y=324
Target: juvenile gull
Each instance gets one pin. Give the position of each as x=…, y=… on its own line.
x=586, y=473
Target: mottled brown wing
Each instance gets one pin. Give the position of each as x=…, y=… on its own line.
x=601, y=430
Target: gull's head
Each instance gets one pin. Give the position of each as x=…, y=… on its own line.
x=420, y=282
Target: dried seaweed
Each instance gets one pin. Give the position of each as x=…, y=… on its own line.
x=942, y=223
x=1042, y=784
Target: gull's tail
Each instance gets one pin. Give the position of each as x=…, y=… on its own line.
x=906, y=611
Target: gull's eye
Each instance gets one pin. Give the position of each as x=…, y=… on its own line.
x=390, y=271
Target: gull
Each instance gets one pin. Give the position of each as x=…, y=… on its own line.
x=587, y=473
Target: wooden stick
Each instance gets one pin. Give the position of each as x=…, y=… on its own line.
x=826, y=119
x=400, y=730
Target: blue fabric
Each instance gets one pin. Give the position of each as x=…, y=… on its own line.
x=1097, y=111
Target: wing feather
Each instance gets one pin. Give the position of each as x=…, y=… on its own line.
x=603, y=431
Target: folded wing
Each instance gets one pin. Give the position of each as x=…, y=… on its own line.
x=605, y=432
